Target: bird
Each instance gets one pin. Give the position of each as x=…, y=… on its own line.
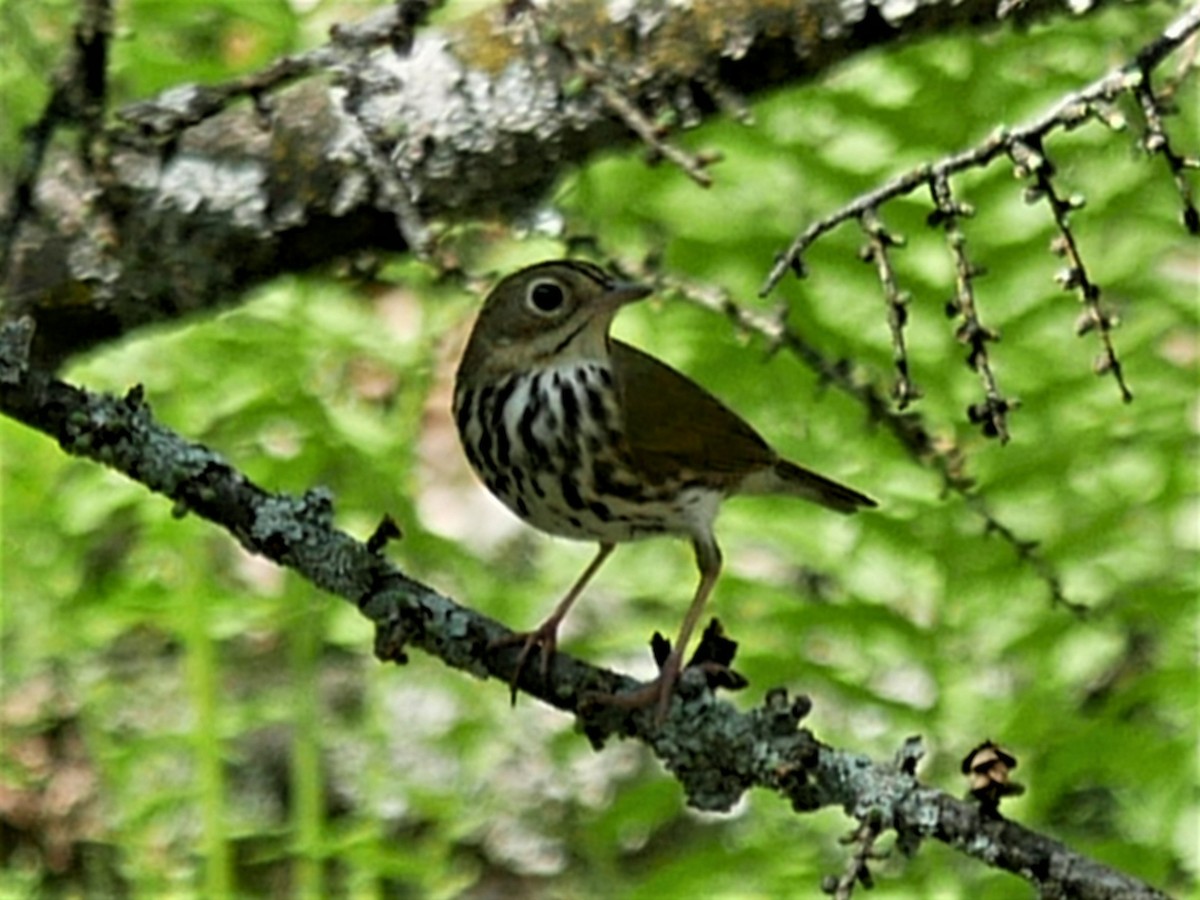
x=586, y=437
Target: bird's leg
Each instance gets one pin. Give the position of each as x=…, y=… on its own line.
x=546, y=634
x=708, y=558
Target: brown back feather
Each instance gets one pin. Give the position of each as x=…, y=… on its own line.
x=673, y=424
x=674, y=427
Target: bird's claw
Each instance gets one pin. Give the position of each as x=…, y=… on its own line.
x=657, y=692
x=544, y=636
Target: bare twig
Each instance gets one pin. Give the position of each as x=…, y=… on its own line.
x=1027, y=552
x=693, y=165
x=184, y=106
x=1024, y=146
x=376, y=148
x=90, y=72
x=1070, y=112
x=618, y=102
x=1158, y=142
x=78, y=97
x=992, y=413
x=1030, y=161
x=879, y=242
x=857, y=871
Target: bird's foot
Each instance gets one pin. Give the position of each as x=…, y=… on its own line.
x=544, y=636
x=653, y=693
x=713, y=657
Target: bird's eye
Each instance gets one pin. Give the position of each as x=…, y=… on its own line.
x=546, y=296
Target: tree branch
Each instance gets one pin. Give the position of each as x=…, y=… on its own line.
x=1024, y=146
x=204, y=196
x=714, y=751
x=910, y=429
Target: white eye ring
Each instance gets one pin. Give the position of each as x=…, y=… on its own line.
x=545, y=296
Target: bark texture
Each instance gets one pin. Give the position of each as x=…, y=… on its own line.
x=196, y=195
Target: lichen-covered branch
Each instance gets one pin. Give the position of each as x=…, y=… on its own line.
x=715, y=752
x=206, y=191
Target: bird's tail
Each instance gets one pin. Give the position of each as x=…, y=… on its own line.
x=790, y=478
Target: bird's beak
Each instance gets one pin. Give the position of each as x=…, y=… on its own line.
x=623, y=292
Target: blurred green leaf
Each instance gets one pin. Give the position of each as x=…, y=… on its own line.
x=235, y=724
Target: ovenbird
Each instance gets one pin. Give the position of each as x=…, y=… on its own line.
x=586, y=437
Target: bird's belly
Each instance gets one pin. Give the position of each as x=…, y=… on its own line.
x=688, y=511
x=550, y=447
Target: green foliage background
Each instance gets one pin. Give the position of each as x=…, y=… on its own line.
x=227, y=728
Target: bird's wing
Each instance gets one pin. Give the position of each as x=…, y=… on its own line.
x=674, y=426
